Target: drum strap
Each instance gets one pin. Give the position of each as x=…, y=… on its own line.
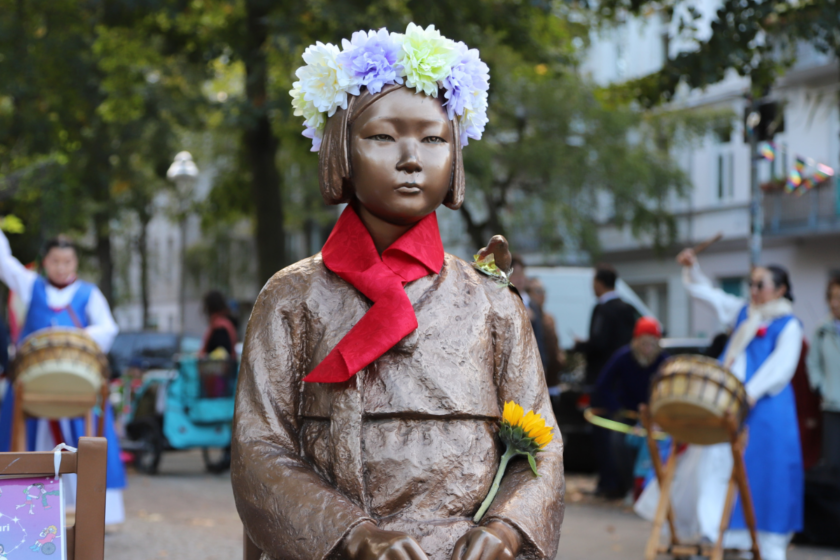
x=74, y=317
x=55, y=429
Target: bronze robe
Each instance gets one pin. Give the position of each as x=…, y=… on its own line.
x=410, y=443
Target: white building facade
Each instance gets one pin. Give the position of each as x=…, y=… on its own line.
x=801, y=233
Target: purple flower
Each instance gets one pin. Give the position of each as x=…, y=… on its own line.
x=468, y=78
x=316, y=135
x=371, y=58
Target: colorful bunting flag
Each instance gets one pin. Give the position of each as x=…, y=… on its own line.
x=823, y=173
x=767, y=150
x=793, y=181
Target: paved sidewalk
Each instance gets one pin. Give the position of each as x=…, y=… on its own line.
x=181, y=513
x=185, y=513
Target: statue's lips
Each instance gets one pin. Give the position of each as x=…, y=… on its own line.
x=409, y=188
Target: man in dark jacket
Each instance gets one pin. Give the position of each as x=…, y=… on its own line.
x=611, y=326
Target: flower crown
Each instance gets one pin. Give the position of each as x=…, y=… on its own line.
x=426, y=60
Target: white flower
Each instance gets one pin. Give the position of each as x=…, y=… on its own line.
x=313, y=118
x=475, y=116
x=323, y=81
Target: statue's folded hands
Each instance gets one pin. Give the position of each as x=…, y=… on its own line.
x=368, y=542
x=495, y=541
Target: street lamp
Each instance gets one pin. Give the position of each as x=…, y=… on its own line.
x=184, y=173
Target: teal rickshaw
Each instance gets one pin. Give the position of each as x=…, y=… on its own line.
x=188, y=407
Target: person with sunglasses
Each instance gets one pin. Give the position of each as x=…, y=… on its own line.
x=763, y=352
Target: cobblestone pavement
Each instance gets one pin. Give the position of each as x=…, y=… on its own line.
x=185, y=513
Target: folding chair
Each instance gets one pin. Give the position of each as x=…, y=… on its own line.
x=86, y=539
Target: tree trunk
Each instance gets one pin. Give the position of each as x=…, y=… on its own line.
x=96, y=176
x=474, y=230
x=103, y=254
x=143, y=249
x=481, y=232
x=261, y=146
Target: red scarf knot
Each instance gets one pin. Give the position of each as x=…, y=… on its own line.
x=350, y=253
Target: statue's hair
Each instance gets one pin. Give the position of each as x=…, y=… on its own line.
x=334, y=174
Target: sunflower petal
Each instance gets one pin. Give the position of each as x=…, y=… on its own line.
x=508, y=411
x=515, y=414
x=544, y=440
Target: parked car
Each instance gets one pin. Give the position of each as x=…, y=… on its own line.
x=150, y=350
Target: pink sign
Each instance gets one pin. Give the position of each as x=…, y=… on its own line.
x=32, y=519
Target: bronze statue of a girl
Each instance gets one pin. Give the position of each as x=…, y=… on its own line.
x=374, y=373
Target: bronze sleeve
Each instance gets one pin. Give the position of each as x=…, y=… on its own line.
x=287, y=509
x=533, y=505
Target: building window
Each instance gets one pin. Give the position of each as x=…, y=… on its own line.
x=733, y=286
x=725, y=176
x=655, y=297
x=723, y=164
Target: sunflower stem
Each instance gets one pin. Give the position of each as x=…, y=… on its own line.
x=510, y=452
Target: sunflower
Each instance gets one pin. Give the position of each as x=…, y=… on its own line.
x=523, y=434
x=527, y=433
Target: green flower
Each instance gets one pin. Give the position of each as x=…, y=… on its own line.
x=426, y=58
x=487, y=265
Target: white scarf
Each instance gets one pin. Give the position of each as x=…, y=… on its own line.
x=756, y=316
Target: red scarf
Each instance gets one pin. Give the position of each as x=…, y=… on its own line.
x=351, y=254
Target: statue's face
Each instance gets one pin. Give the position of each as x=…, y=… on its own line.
x=401, y=151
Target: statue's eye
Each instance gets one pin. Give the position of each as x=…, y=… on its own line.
x=381, y=138
x=434, y=140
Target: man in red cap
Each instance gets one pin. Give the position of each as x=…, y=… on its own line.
x=624, y=385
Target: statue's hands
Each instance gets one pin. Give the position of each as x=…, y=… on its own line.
x=368, y=542
x=496, y=541
x=498, y=245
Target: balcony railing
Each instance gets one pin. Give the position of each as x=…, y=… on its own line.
x=817, y=210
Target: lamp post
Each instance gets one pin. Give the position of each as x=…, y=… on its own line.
x=756, y=195
x=184, y=173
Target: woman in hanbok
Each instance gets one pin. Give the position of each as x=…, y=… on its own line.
x=60, y=299
x=763, y=352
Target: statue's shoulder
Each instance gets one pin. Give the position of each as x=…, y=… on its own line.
x=503, y=299
x=293, y=284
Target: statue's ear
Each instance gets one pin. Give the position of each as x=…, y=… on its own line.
x=334, y=158
x=457, y=187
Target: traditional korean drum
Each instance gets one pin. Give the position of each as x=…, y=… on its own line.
x=60, y=373
x=690, y=397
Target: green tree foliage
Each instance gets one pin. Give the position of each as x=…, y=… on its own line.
x=756, y=38
x=265, y=39
x=557, y=161
x=87, y=121
x=96, y=97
